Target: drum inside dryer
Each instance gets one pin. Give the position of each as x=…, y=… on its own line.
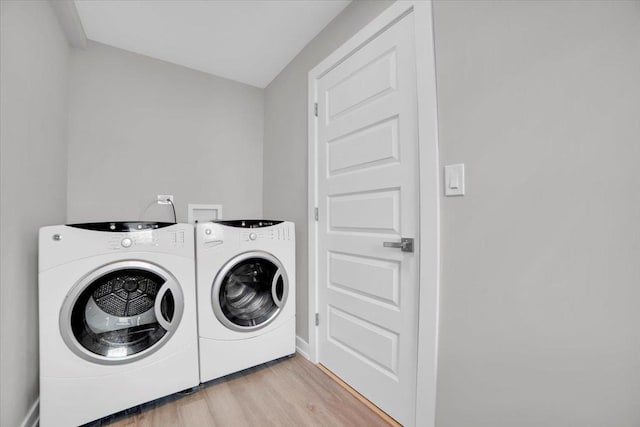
x=123, y=312
x=250, y=291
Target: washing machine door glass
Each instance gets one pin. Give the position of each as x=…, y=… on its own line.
x=122, y=312
x=250, y=291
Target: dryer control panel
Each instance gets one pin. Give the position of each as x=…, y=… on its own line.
x=271, y=233
x=249, y=223
x=63, y=243
x=121, y=226
x=259, y=229
x=147, y=239
x=215, y=233
x=137, y=234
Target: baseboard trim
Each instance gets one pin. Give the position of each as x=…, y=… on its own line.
x=32, y=419
x=302, y=347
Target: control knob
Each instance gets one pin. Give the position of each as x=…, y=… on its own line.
x=126, y=242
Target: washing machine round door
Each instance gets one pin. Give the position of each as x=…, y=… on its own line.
x=121, y=312
x=250, y=291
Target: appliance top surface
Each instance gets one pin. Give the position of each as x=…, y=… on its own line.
x=249, y=223
x=121, y=226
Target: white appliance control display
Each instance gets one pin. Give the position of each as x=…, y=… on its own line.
x=258, y=234
x=155, y=238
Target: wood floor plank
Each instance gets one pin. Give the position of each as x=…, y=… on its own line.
x=310, y=406
x=144, y=419
x=390, y=421
x=345, y=409
x=226, y=409
x=264, y=408
x=165, y=415
x=125, y=422
x=195, y=412
x=291, y=392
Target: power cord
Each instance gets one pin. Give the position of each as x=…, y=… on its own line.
x=175, y=219
x=155, y=202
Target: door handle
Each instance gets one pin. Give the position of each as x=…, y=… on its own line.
x=405, y=244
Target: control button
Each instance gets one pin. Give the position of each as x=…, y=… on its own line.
x=57, y=237
x=112, y=226
x=126, y=242
x=207, y=231
x=253, y=236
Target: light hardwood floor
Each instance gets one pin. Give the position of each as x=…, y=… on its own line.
x=287, y=392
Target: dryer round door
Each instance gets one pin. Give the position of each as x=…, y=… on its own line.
x=250, y=291
x=121, y=312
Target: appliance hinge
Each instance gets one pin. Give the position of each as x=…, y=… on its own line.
x=317, y=319
x=315, y=109
x=316, y=214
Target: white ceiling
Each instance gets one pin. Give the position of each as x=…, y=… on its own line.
x=244, y=40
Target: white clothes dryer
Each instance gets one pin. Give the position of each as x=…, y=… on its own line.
x=118, y=324
x=245, y=272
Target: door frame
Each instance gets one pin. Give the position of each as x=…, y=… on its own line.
x=429, y=194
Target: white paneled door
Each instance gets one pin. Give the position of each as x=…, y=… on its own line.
x=367, y=195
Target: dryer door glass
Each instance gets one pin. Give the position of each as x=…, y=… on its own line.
x=250, y=293
x=123, y=313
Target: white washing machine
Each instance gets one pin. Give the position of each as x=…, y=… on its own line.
x=245, y=274
x=118, y=322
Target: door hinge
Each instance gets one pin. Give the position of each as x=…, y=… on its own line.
x=316, y=214
x=315, y=109
x=317, y=319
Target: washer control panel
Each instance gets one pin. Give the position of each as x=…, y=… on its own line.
x=60, y=244
x=249, y=223
x=146, y=239
x=243, y=231
x=277, y=232
x=121, y=226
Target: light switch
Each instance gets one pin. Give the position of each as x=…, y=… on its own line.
x=454, y=180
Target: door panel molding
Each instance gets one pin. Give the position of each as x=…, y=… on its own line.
x=429, y=181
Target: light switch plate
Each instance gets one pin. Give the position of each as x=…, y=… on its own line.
x=454, y=180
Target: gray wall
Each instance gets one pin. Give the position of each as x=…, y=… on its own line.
x=285, y=138
x=540, y=286
x=33, y=175
x=541, y=259
x=140, y=127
